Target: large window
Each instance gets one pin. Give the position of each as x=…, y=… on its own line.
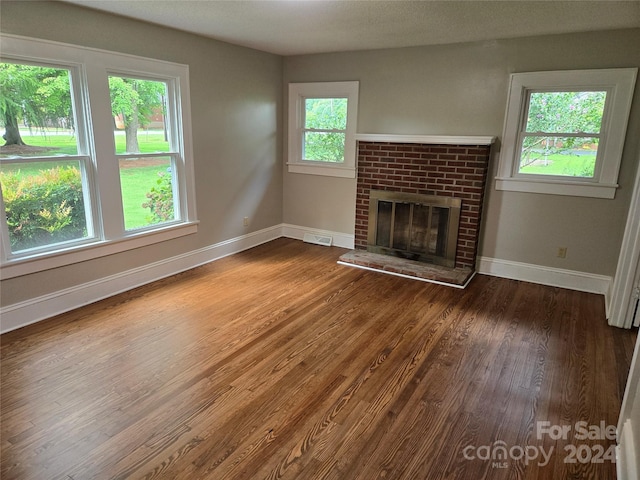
x=97, y=155
x=44, y=167
x=564, y=132
x=322, y=127
x=146, y=154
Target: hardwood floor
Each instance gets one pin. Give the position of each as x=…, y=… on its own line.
x=279, y=363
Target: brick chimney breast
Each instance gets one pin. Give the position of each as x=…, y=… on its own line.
x=451, y=170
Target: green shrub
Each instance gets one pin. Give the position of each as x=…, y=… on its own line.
x=43, y=208
x=161, y=200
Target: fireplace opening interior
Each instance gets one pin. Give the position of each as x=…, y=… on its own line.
x=416, y=227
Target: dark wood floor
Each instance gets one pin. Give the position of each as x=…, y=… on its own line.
x=279, y=363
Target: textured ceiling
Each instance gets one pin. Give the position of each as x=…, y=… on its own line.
x=290, y=27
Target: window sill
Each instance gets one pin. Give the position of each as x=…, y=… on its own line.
x=557, y=187
x=327, y=170
x=48, y=260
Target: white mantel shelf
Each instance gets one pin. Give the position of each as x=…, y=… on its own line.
x=426, y=139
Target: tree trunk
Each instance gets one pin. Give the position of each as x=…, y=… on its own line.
x=11, y=131
x=131, y=132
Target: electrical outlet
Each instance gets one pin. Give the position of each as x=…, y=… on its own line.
x=245, y=222
x=562, y=252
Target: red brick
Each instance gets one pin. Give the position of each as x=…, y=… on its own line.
x=478, y=151
x=476, y=178
x=439, y=162
x=457, y=150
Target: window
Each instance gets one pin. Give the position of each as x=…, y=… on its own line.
x=322, y=127
x=561, y=133
x=564, y=132
x=44, y=168
x=97, y=155
x=146, y=151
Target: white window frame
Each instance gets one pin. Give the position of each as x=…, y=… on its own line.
x=298, y=93
x=618, y=83
x=82, y=156
x=102, y=179
x=174, y=141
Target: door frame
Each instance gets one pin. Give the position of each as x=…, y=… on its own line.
x=628, y=429
x=621, y=307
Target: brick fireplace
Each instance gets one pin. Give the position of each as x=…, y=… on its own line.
x=441, y=166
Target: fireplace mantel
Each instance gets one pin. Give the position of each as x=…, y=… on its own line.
x=427, y=139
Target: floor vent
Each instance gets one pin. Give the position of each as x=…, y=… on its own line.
x=325, y=240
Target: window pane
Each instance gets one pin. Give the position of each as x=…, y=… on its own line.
x=138, y=108
x=567, y=156
x=37, y=111
x=324, y=146
x=44, y=203
x=325, y=113
x=565, y=112
x=147, y=191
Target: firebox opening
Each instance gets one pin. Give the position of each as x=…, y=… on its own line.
x=416, y=227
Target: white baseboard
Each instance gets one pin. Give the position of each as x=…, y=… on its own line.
x=34, y=310
x=344, y=240
x=627, y=466
x=46, y=306
x=555, y=277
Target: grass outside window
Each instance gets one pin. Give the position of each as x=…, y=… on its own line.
x=136, y=182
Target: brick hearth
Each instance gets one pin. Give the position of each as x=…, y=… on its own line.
x=445, y=170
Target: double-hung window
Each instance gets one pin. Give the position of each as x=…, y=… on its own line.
x=96, y=156
x=564, y=132
x=322, y=127
x=147, y=150
x=45, y=169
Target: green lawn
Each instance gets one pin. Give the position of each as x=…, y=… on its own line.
x=149, y=142
x=564, y=165
x=136, y=181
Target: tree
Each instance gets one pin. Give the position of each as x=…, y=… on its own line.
x=135, y=101
x=36, y=96
x=553, y=115
x=325, y=115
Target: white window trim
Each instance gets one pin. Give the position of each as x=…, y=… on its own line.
x=297, y=94
x=110, y=237
x=619, y=84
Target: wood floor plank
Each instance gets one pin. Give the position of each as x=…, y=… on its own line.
x=278, y=363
